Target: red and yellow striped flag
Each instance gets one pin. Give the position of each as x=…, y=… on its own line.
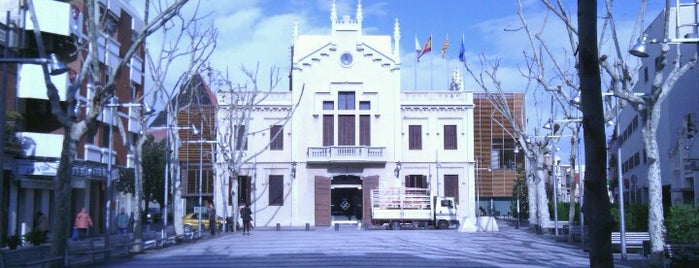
x=445, y=46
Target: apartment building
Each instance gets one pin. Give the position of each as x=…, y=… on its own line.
x=30, y=171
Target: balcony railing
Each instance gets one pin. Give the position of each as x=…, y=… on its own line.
x=346, y=154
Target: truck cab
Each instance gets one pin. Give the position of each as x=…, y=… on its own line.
x=444, y=212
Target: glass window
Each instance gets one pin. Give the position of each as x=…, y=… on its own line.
x=415, y=137
x=451, y=187
x=417, y=181
x=450, y=137
x=241, y=142
x=364, y=105
x=276, y=137
x=345, y=100
x=276, y=190
x=365, y=130
x=328, y=105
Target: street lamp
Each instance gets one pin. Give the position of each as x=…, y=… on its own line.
x=108, y=184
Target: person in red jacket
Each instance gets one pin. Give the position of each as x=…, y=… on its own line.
x=82, y=222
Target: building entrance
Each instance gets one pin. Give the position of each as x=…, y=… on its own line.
x=346, y=200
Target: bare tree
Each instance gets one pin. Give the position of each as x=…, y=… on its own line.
x=185, y=46
x=237, y=105
x=74, y=129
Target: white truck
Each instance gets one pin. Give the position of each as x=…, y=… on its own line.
x=415, y=206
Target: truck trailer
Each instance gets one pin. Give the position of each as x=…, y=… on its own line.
x=397, y=206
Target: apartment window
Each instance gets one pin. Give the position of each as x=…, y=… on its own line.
x=450, y=137
x=364, y=105
x=328, y=130
x=365, y=130
x=415, y=137
x=241, y=141
x=345, y=130
x=345, y=100
x=276, y=138
x=328, y=105
x=244, y=190
x=451, y=187
x=417, y=181
x=104, y=141
x=276, y=190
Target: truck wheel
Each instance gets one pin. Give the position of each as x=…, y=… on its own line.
x=395, y=225
x=443, y=225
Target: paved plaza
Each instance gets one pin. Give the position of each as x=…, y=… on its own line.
x=349, y=247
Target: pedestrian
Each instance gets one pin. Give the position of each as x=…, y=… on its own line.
x=212, y=218
x=123, y=221
x=246, y=214
x=42, y=224
x=82, y=222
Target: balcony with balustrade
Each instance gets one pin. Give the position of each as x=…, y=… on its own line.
x=346, y=154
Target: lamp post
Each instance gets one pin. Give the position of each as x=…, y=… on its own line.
x=108, y=184
x=518, y=185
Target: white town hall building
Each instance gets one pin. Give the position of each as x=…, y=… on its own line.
x=352, y=129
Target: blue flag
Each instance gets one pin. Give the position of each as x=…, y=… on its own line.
x=461, y=50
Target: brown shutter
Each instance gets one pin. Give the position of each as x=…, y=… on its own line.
x=368, y=183
x=328, y=130
x=345, y=130
x=322, y=201
x=365, y=130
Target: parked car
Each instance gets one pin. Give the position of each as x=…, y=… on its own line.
x=191, y=221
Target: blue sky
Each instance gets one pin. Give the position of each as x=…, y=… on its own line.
x=253, y=31
x=259, y=31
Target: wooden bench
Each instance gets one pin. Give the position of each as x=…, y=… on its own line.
x=29, y=256
x=634, y=240
x=682, y=255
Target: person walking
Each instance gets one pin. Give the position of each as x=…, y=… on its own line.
x=246, y=214
x=122, y=221
x=82, y=222
x=42, y=225
x=212, y=218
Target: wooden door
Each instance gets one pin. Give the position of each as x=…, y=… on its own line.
x=368, y=183
x=322, y=201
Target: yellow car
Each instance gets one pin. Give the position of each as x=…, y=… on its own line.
x=191, y=221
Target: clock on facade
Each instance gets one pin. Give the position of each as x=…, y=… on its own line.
x=346, y=59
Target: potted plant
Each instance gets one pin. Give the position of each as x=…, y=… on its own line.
x=35, y=237
x=13, y=241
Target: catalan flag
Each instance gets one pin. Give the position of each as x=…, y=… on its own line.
x=445, y=45
x=462, y=51
x=426, y=49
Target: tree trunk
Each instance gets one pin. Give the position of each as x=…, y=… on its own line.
x=656, y=226
x=597, y=207
x=531, y=194
x=61, y=223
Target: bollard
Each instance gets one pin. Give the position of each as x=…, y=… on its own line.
x=308, y=227
x=337, y=226
x=278, y=227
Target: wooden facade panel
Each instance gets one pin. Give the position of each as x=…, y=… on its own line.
x=497, y=182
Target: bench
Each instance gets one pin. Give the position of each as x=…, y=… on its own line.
x=682, y=255
x=634, y=240
x=30, y=256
